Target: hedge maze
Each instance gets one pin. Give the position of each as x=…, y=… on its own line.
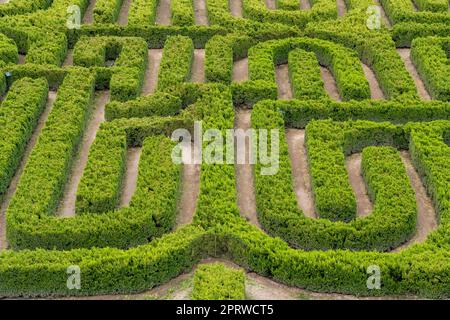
x=92, y=92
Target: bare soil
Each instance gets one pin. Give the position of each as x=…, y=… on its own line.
x=405, y=54
x=131, y=176
x=283, y=82
x=22, y=59
x=67, y=204
x=375, y=90
x=88, y=17
x=69, y=59
x=198, y=66
x=426, y=215
x=163, y=13
x=200, y=13
x=305, y=5
x=363, y=203
x=15, y=180
x=151, y=74
x=271, y=4
x=341, y=8
x=300, y=172
x=235, y=8
x=240, y=70
x=244, y=173
x=190, y=189
x=123, y=14
x=330, y=83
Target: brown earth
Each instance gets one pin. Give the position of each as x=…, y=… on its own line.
x=271, y=4
x=198, y=66
x=363, y=204
x=330, y=83
x=341, y=8
x=88, y=17
x=163, y=13
x=151, y=74
x=375, y=91
x=200, y=13
x=405, y=54
x=123, y=13
x=69, y=59
x=305, y=5
x=240, y=70
x=284, y=85
x=302, y=179
x=236, y=8
x=131, y=176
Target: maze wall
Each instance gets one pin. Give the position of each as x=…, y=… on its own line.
x=359, y=91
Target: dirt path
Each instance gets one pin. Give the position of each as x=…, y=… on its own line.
x=131, y=176
x=190, y=189
x=151, y=74
x=330, y=84
x=13, y=185
x=123, y=13
x=240, y=70
x=200, y=13
x=426, y=215
x=300, y=171
x=236, y=8
x=363, y=204
x=305, y=5
x=341, y=8
x=244, y=170
x=271, y=4
x=284, y=85
x=69, y=59
x=198, y=66
x=67, y=204
x=384, y=17
x=88, y=17
x=163, y=13
x=405, y=54
x=22, y=58
x=375, y=91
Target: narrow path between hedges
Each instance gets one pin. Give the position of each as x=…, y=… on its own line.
x=363, y=204
x=69, y=59
x=163, y=13
x=151, y=74
x=15, y=180
x=67, y=204
x=246, y=200
x=300, y=172
x=283, y=82
x=22, y=58
x=375, y=90
x=405, y=54
x=198, y=66
x=271, y=4
x=305, y=5
x=341, y=8
x=236, y=8
x=426, y=214
x=330, y=83
x=123, y=13
x=131, y=176
x=200, y=13
x=88, y=17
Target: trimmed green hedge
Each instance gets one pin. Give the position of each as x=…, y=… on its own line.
x=19, y=114
x=218, y=282
x=107, y=11
x=182, y=12
x=430, y=55
x=175, y=67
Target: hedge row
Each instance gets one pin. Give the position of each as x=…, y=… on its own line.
x=404, y=33
x=342, y=62
x=107, y=11
x=304, y=75
x=126, y=76
x=404, y=11
x=217, y=282
x=47, y=169
x=430, y=55
x=321, y=10
x=176, y=62
x=393, y=219
x=142, y=13
x=16, y=7
x=432, y=5
x=182, y=12
x=19, y=114
x=8, y=50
